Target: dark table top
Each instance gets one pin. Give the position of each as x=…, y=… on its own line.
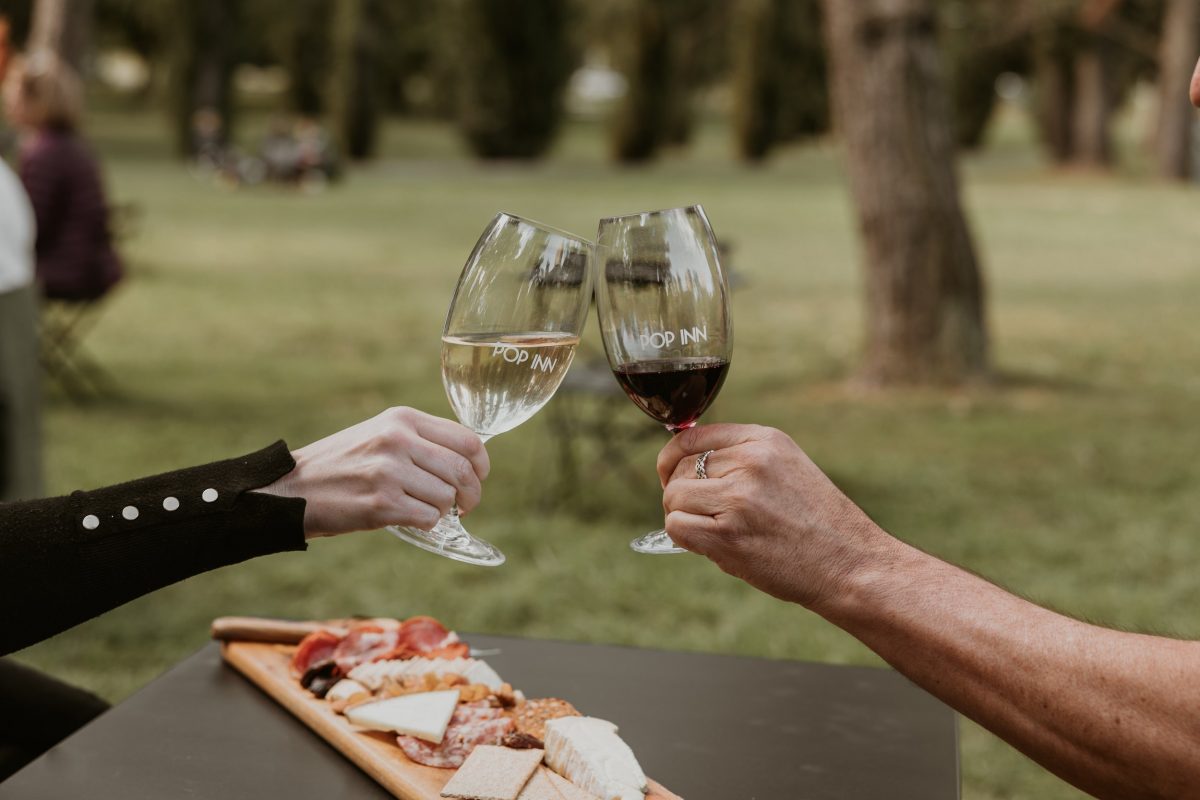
x=706, y=726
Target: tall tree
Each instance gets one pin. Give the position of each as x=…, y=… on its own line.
x=513, y=63
x=1088, y=54
x=646, y=57
x=355, y=83
x=700, y=58
x=924, y=287
x=296, y=33
x=667, y=51
x=779, y=74
x=1054, y=86
x=981, y=40
x=1176, y=117
x=202, y=54
x=64, y=28
x=1095, y=101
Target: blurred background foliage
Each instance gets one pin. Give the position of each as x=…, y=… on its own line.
x=501, y=70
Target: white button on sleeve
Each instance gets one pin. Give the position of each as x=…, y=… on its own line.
x=130, y=513
x=171, y=503
x=209, y=495
x=91, y=522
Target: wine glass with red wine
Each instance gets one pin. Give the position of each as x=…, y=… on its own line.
x=663, y=303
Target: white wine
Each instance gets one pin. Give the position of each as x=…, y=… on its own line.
x=497, y=381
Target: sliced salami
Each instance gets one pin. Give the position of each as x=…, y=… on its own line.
x=364, y=643
x=313, y=650
x=425, y=634
x=473, y=724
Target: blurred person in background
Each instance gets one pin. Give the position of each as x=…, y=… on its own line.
x=67, y=559
x=20, y=424
x=75, y=255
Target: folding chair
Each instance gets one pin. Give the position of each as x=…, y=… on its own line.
x=65, y=322
x=63, y=325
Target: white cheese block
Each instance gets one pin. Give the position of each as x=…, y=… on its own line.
x=424, y=715
x=587, y=752
x=482, y=672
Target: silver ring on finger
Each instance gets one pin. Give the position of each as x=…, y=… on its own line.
x=701, y=461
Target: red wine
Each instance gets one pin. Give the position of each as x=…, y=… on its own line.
x=674, y=391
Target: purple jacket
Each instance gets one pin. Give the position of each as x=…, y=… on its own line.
x=75, y=256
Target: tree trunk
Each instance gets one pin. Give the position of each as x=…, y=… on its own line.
x=1176, y=117
x=202, y=74
x=354, y=97
x=64, y=28
x=1093, y=105
x=647, y=58
x=925, y=309
x=512, y=63
x=1054, y=86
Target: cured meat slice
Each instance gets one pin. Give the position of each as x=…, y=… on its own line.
x=364, y=643
x=314, y=649
x=425, y=634
x=473, y=724
x=456, y=650
x=425, y=637
x=474, y=712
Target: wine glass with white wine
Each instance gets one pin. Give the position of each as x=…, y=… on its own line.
x=509, y=338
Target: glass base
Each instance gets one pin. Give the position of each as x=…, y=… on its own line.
x=656, y=543
x=450, y=539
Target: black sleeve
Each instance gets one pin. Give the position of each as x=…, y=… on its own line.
x=67, y=559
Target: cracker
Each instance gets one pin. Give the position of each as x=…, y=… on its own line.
x=531, y=716
x=493, y=773
x=568, y=790
x=540, y=787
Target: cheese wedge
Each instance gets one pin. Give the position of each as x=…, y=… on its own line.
x=482, y=672
x=424, y=715
x=587, y=752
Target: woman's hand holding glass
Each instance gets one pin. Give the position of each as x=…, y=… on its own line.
x=401, y=467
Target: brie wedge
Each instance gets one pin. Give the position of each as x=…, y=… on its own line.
x=587, y=752
x=425, y=715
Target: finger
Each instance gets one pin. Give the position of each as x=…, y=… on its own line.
x=428, y=488
x=1195, y=92
x=695, y=532
x=719, y=464
x=408, y=510
x=694, y=496
x=698, y=439
x=456, y=437
x=452, y=468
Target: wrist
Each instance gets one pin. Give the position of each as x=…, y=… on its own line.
x=870, y=560
x=291, y=484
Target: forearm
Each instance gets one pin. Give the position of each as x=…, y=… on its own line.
x=67, y=559
x=1113, y=713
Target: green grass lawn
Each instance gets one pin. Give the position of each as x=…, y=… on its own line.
x=262, y=314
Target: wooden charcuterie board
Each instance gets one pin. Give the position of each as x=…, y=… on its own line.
x=268, y=666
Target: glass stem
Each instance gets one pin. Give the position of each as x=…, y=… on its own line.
x=449, y=528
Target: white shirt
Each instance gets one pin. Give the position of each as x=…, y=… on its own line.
x=16, y=232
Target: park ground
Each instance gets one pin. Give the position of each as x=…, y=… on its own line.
x=258, y=314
